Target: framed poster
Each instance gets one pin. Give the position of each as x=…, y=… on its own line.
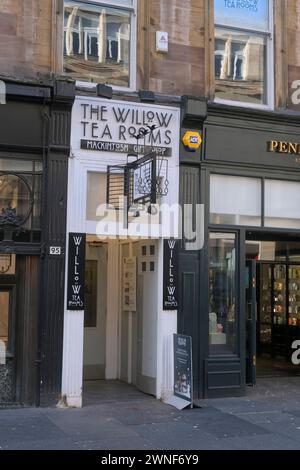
x=129, y=284
x=76, y=272
x=183, y=369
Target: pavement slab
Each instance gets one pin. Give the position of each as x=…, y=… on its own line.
x=118, y=417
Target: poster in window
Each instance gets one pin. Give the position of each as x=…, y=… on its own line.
x=129, y=284
x=247, y=14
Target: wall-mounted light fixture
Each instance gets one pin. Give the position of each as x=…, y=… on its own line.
x=104, y=91
x=147, y=96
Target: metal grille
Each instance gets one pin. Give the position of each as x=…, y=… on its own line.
x=7, y=382
x=116, y=186
x=141, y=181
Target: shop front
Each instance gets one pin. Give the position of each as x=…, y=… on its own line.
x=248, y=315
x=122, y=203
x=34, y=148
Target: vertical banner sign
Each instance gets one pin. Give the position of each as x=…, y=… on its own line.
x=183, y=372
x=76, y=272
x=170, y=285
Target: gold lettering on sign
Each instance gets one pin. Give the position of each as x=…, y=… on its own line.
x=272, y=146
x=280, y=146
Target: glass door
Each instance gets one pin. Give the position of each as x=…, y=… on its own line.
x=251, y=320
x=293, y=306
x=265, y=309
x=7, y=362
x=279, y=310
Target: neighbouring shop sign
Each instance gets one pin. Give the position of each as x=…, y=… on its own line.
x=76, y=272
x=170, y=282
x=279, y=146
x=183, y=371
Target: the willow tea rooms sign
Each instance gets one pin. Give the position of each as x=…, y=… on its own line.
x=102, y=126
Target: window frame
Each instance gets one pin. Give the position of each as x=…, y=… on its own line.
x=270, y=62
x=132, y=9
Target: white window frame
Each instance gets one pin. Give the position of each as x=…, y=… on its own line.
x=270, y=81
x=133, y=41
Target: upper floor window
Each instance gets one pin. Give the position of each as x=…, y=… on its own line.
x=99, y=41
x=244, y=70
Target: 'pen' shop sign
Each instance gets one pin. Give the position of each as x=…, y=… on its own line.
x=113, y=127
x=170, y=284
x=76, y=272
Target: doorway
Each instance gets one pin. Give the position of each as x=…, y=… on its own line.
x=7, y=343
x=19, y=302
x=95, y=311
x=121, y=314
x=273, y=308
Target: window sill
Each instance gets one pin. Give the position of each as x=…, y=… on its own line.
x=241, y=104
x=93, y=85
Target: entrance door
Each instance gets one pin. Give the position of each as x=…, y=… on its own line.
x=251, y=320
x=95, y=312
x=7, y=344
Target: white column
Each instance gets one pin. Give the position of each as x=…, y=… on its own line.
x=166, y=327
x=112, y=319
x=72, y=375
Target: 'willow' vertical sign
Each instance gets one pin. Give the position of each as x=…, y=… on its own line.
x=170, y=284
x=76, y=272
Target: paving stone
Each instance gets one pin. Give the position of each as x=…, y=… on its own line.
x=17, y=428
x=46, y=444
x=133, y=443
x=94, y=427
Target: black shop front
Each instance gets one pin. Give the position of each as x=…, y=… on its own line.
x=240, y=291
x=34, y=150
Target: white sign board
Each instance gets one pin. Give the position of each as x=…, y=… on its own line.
x=162, y=41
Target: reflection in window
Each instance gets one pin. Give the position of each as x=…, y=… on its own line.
x=240, y=64
x=97, y=42
x=222, y=294
x=21, y=196
x=242, y=50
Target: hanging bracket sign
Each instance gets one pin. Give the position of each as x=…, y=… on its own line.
x=76, y=272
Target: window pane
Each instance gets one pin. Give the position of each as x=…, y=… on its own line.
x=124, y=2
x=222, y=294
x=18, y=166
x=14, y=195
x=96, y=193
x=240, y=66
x=250, y=14
x=97, y=43
x=4, y=312
x=235, y=200
x=282, y=204
x=91, y=278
